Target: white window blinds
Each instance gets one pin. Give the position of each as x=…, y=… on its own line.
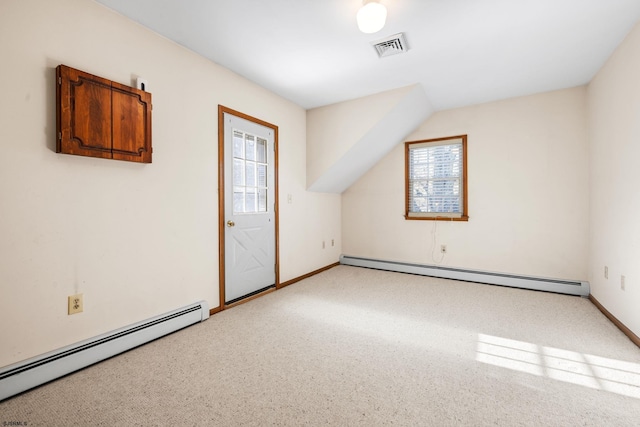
x=435, y=179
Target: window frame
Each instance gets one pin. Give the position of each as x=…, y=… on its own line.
x=437, y=216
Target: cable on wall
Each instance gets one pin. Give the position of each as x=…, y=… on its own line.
x=434, y=232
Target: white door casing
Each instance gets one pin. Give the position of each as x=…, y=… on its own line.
x=249, y=207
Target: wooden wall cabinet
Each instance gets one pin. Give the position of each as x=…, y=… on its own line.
x=100, y=118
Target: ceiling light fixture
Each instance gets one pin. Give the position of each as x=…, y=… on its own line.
x=371, y=16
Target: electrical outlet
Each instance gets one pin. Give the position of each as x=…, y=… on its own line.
x=75, y=304
x=443, y=249
x=333, y=243
x=622, y=284
x=606, y=272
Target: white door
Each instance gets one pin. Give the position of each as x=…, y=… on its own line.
x=249, y=207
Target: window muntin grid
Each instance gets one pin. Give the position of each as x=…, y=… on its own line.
x=436, y=179
x=250, y=171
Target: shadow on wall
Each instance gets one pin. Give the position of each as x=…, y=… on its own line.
x=50, y=106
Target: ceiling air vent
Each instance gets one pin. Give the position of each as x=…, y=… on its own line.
x=391, y=45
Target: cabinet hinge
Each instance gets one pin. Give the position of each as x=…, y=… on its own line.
x=60, y=136
x=59, y=80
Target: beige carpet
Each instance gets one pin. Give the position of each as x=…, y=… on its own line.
x=353, y=346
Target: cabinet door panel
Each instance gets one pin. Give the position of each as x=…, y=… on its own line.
x=85, y=114
x=131, y=124
x=99, y=118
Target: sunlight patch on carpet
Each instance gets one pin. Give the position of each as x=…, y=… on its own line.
x=587, y=370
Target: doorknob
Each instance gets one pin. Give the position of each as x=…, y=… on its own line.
x=230, y=223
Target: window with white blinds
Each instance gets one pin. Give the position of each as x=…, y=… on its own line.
x=436, y=179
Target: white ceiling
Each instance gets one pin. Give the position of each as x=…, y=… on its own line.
x=462, y=52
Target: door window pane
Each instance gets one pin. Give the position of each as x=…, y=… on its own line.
x=249, y=173
x=238, y=172
x=238, y=199
x=262, y=175
x=261, y=150
x=250, y=201
x=250, y=147
x=262, y=200
x=238, y=144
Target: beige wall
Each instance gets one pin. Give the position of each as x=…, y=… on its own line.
x=528, y=195
x=136, y=240
x=614, y=130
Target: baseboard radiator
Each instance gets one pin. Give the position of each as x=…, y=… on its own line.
x=33, y=372
x=568, y=287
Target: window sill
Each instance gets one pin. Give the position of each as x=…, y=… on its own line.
x=436, y=218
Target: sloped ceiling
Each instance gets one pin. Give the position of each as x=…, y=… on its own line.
x=462, y=52
x=345, y=140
